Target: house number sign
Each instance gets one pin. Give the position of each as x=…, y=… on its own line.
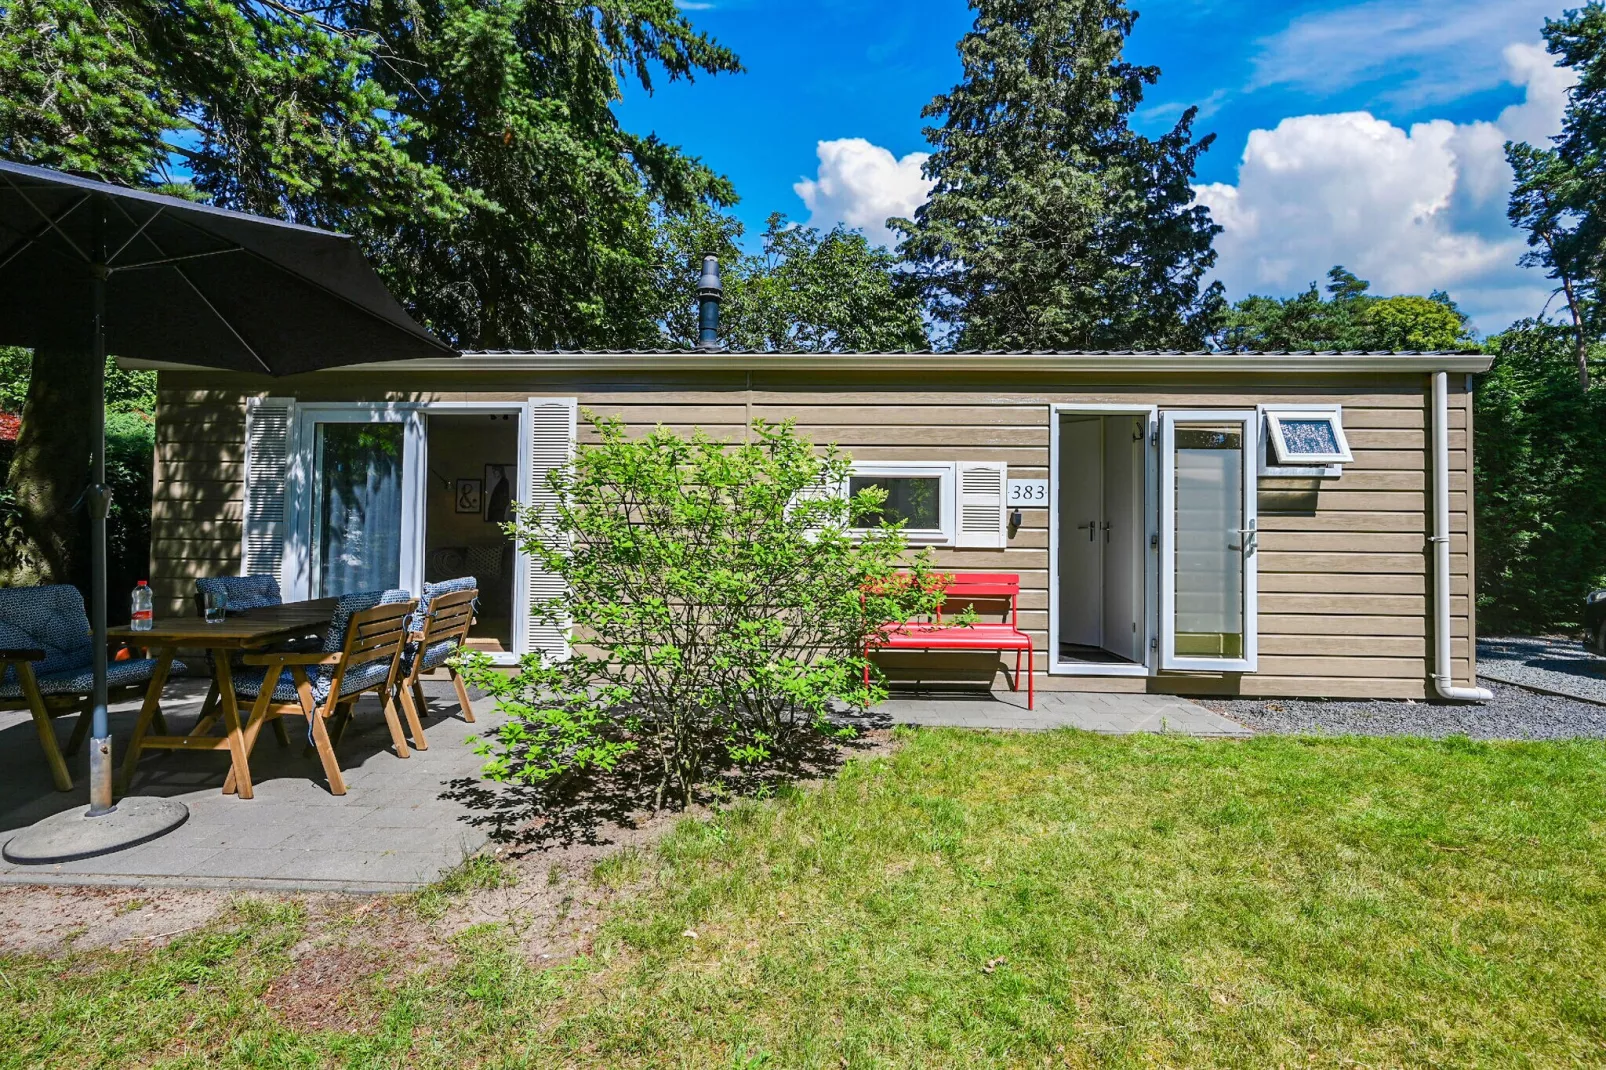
x=1029, y=493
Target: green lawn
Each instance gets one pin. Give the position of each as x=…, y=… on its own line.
x=977, y=900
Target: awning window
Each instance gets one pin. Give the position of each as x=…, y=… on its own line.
x=1307, y=437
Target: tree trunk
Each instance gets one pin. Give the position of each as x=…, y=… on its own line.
x=1574, y=309
x=1580, y=340
x=50, y=469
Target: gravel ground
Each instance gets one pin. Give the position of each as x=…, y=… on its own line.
x=1515, y=713
x=1550, y=662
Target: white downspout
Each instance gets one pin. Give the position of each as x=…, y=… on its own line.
x=1442, y=678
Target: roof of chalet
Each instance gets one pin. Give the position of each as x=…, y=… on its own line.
x=1061, y=360
x=737, y=351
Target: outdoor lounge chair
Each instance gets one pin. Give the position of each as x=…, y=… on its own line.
x=47, y=656
x=240, y=592
x=438, y=629
x=360, y=654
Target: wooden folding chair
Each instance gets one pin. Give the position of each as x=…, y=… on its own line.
x=445, y=632
x=43, y=709
x=323, y=688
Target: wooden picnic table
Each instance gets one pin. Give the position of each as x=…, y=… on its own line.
x=250, y=629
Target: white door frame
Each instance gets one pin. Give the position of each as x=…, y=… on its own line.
x=1150, y=415
x=414, y=414
x=1169, y=660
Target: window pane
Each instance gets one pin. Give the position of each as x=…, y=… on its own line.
x=1309, y=436
x=1209, y=559
x=914, y=499
x=359, y=509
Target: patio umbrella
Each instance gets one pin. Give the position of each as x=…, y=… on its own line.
x=84, y=263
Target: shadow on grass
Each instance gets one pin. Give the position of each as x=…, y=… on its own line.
x=586, y=807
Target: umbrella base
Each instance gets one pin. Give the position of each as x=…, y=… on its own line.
x=73, y=834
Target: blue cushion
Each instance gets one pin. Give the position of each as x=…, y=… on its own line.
x=437, y=654
x=433, y=591
x=49, y=618
x=434, y=657
x=242, y=592
x=81, y=679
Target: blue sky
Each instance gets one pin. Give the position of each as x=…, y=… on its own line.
x=1362, y=133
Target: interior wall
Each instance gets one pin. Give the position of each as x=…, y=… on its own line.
x=460, y=446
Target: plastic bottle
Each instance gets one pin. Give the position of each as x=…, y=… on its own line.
x=142, y=608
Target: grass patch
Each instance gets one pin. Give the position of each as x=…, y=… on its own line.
x=989, y=900
x=477, y=872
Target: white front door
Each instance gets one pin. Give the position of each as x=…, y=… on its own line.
x=1081, y=510
x=1208, y=532
x=1125, y=536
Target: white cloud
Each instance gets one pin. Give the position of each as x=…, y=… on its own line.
x=1413, y=210
x=1429, y=50
x=863, y=185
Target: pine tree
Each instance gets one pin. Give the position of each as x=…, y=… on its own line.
x=1052, y=224
x=470, y=146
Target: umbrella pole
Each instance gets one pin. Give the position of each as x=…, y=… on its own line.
x=99, y=501
x=106, y=826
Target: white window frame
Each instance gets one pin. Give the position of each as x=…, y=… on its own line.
x=1150, y=414
x=1170, y=661
x=945, y=471
x=1274, y=458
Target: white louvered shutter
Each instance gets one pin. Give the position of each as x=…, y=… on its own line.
x=269, y=427
x=552, y=434
x=982, y=516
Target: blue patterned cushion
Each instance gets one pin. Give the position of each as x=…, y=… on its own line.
x=49, y=618
x=80, y=680
x=438, y=652
x=432, y=591
x=242, y=592
x=248, y=682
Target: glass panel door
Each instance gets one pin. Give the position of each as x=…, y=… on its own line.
x=356, y=490
x=357, y=508
x=1207, y=541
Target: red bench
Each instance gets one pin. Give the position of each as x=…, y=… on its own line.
x=935, y=635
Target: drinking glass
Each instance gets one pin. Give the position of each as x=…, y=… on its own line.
x=215, y=605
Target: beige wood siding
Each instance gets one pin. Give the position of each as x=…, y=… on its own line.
x=1345, y=572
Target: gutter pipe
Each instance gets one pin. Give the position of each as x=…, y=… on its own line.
x=1442, y=678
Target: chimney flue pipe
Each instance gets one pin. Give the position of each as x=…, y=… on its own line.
x=710, y=291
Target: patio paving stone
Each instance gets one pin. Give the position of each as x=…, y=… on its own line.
x=397, y=828
x=392, y=831
x=1110, y=714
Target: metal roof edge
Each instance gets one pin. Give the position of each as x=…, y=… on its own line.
x=1132, y=362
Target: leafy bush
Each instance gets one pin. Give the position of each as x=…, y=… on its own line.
x=130, y=459
x=1540, y=465
x=720, y=607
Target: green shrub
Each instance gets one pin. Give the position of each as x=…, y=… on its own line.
x=720, y=606
x=1540, y=465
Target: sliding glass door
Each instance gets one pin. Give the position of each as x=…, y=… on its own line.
x=1208, y=532
x=358, y=512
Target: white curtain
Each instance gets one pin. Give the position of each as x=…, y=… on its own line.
x=359, y=513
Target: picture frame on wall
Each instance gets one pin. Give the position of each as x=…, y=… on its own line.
x=469, y=496
x=499, y=496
